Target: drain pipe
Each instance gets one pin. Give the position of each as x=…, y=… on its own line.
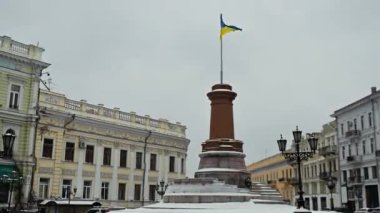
x=375, y=140
x=144, y=172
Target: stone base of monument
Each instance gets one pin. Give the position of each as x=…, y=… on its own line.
x=226, y=166
x=209, y=190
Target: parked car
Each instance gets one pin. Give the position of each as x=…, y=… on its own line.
x=98, y=210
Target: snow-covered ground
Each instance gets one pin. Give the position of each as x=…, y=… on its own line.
x=242, y=207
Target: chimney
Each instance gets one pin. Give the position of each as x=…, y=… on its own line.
x=373, y=90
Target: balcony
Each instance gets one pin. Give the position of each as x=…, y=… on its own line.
x=355, y=180
x=328, y=151
x=354, y=159
x=353, y=133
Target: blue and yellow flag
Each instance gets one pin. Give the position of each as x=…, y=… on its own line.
x=224, y=29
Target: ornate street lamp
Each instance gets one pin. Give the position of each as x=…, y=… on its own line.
x=298, y=156
x=331, y=182
x=12, y=180
x=161, y=189
x=8, y=140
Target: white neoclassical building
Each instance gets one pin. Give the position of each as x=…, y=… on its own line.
x=358, y=143
x=98, y=152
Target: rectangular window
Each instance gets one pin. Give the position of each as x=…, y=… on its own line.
x=355, y=126
x=363, y=147
x=342, y=129
x=123, y=158
x=370, y=119
x=152, y=192
x=44, y=188
x=357, y=149
x=104, y=191
x=349, y=150
x=89, y=154
x=138, y=160
x=153, y=160
x=137, y=194
x=374, y=172
x=344, y=176
x=69, y=151
x=362, y=121
x=87, y=189
x=66, y=188
x=47, y=149
x=14, y=96
x=372, y=146
x=107, y=156
x=183, y=166
x=121, y=192
x=171, y=164
x=343, y=152
x=366, y=176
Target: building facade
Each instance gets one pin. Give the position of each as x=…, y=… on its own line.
x=358, y=144
x=317, y=169
x=276, y=172
x=98, y=152
x=21, y=66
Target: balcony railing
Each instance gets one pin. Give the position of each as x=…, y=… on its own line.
x=354, y=159
x=18, y=48
x=354, y=180
x=353, y=133
x=56, y=101
x=328, y=150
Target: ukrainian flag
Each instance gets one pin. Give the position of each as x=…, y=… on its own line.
x=224, y=29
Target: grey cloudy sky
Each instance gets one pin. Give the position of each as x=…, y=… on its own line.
x=294, y=63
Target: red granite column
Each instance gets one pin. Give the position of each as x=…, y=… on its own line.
x=222, y=118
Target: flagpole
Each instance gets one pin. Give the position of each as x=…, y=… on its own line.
x=221, y=61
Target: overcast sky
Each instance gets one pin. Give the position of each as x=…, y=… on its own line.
x=294, y=63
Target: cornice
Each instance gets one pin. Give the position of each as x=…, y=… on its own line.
x=24, y=59
x=356, y=104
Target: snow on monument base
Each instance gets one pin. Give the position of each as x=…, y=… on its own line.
x=209, y=190
x=204, y=190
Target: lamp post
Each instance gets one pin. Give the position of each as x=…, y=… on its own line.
x=161, y=189
x=8, y=140
x=331, y=181
x=12, y=180
x=298, y=156
x=69, y=192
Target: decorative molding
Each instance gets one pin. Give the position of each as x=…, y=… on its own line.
x=88, y=174
x=123, y=177
x=137, y=177
x=45, y=170
x=105, y=175
x=68, y=172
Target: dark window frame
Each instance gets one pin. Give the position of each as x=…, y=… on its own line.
x=153, y=162
x=89, y=157
x=107, y=155
x=47, y=148
x=138, y=164
x=123, y=158
x=171, y=164
x=69, y=151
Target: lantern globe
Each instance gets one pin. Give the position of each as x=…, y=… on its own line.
x=297, y=134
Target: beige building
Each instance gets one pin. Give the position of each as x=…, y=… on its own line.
x=316, y=170
x=276, y=172
x=100, y=152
